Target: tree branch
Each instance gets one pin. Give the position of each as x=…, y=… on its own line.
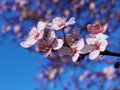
x=106, y=52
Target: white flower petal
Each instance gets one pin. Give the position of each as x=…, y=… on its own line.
x=103, y=45
x=105, y=28
x=71, y=21
x=57, y=44
x=75, y=57
x=41, y=34
x=90, y=41
x=33, y=31
x=78, y=44
x=94, y=54
x=41, y=26
x=28, y=42
x=101, y=37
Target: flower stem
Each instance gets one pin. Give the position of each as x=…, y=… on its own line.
x=64, y=35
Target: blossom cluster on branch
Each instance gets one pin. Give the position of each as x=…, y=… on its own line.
x=49, y=41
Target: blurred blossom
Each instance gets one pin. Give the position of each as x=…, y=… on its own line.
x=109, y=72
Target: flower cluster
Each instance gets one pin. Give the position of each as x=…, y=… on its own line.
x=44, y=34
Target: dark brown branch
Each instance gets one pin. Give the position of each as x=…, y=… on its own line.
x=106, y=52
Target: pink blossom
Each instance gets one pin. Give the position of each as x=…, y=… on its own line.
x=60, y=23
x=76, y=47
x=96, y=44
x=96, y=28
x=52, y=43
x=35, y=34
x=71, y=38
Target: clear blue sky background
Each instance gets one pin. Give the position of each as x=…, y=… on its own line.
x=17, y=67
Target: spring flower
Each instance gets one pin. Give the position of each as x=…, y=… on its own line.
x=52, y=43
x=76, y=47
x=60, y=23
x=72, y=51
x=97, y=44
x=96, y=28
x=35, y=34
x=71, y=38
x=65, y=51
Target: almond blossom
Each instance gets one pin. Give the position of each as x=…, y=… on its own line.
x=96, y=28
x=60, y=23
x=97, y=44
x=35, y=34
x=76, y=47
x=51, y=43
x=71, y=38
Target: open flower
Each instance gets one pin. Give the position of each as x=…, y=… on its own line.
x=60, y=23
x=71, y=38
x=96, y=44
x=76, y=47
x=72, y=51
x=96, y=28
x=51, y=43
x=35, y=34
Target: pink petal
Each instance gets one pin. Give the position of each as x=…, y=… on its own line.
x=33, y=31
x=90, y=41
x=94, y=54
x=75, y=57
x=57, y=44
x=103, y=45
x=41, y=26
x=28, y=42
x=71, y=21
x=41, y=34
x=100, y=37
x=78, y=44
x=104, y=28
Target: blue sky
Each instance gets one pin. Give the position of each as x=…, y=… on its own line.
x=17, y=67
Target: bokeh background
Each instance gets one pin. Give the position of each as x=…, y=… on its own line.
x=26, y=69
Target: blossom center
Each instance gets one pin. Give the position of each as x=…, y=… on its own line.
x=36, y=36
x=61, y=25
x=97, y=27
x=97, y=46
x=74, y=51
